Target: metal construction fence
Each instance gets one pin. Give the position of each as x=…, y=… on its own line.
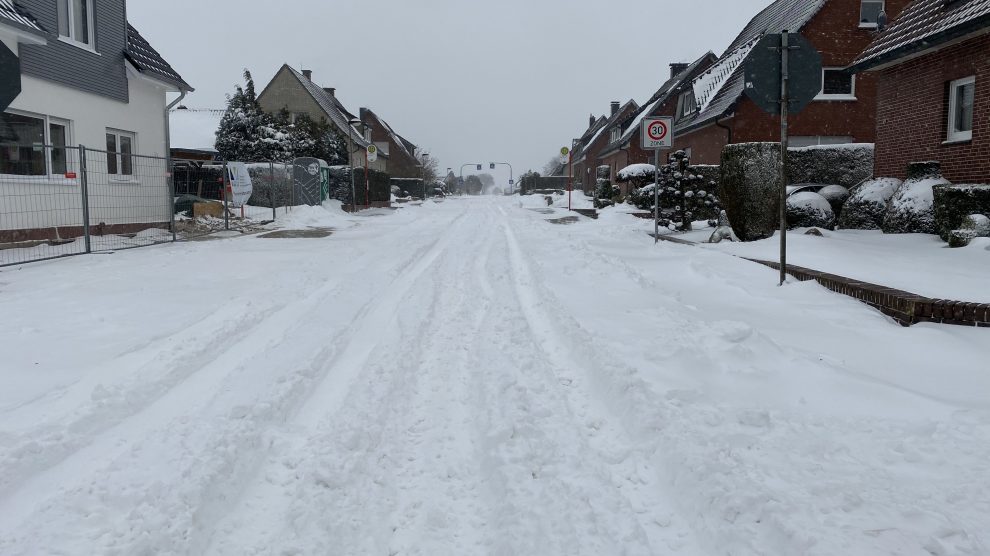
x=58, y=201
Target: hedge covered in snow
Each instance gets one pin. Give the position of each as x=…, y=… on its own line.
x=636, y=171
x=809, y=210
x=867, y=206
x=954, y=203
x=845, y=165
x=912, y=208
x=750, y=189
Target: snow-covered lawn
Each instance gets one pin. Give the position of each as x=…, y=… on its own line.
x=466, y=378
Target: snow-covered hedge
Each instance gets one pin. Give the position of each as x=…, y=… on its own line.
x=750, y=189
x=953, y=203
x=972, y=227
x=867, y=206
x=809, y=210
x=845, y=165
x=912, y=208
x=271, y=185
x=636, y=171
x=836, y=195
x=378, y=189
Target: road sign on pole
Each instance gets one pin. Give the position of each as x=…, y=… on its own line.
x=658, y=133
x=783, y=75
x=372, y=153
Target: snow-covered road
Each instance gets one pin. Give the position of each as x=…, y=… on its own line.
x=466, y=378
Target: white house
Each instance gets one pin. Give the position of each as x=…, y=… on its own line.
x=87, y=77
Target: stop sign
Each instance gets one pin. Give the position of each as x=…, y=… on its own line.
x=10, y=77
x=763, y=73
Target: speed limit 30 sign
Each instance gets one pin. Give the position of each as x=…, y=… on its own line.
x=658, y=133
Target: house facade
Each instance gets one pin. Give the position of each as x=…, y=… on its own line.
x=402, y=160
x=714, y=111
x=587, y=162
x=577, y=158
x=932, y=66
x=87, y=77
x=296, y=92
x=628, y=148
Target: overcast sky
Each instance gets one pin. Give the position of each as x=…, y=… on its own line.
x=505, y=80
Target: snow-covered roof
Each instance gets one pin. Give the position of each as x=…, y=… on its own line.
x=194, y=129
x=333, y=108
x=614, y=120
x=925, y=25
x=13, y=13
x=148, y=61
x=719, y=88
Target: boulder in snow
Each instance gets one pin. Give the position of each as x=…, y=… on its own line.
x=809, y=210
x=867, y=205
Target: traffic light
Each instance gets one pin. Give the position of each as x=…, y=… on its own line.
x=491, y=166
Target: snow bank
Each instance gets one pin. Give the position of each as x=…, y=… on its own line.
x=329, y=215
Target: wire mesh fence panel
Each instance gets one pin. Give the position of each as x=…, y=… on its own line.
x=129, y=197
x=41, y=203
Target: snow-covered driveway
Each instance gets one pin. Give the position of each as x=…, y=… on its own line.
x=467, y=378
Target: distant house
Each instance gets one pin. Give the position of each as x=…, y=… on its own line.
x=193, y=133
x=714, y=112
x=585, y=162
x=627, y=149
x=295, y=92
x=933, y=100
x=402, y=160
x=87, y=78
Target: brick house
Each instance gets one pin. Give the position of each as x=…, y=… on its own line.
x=933, y=98
x=586, y=162
x=627, y=148
x=400, y=151
x=577, y=159
x=714, y=112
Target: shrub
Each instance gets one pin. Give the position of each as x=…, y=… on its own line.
x=867, y=205
x=809, y=210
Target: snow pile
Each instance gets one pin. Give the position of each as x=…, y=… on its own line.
x=329, y=215
x=809, y=210
x=636, y=171
x=912, y=208
x=867, y=206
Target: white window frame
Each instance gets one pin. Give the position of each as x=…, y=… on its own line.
x=49, y=120
x=849, y=97
x=118, y=176
x=684, y=109
x=954, y=136
x=90, y=23
x=863, y=25
x=615, y=135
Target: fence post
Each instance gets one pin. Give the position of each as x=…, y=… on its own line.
x=84, y=192
x=271, y=189
x=170, y=173
x=226, y=208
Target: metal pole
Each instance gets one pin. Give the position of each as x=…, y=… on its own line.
x=570, y=176
x=784, y=107
x=656, y=198
x=271, y=188
x=350, y=163
x=226, y=208
x=84, y=191
x=367, y=181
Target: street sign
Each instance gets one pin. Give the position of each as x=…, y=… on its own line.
x=10, y=77
x=372, y=153
x=512, y=182
x=658, y=133
x=479, y=167
x=564, y=151
x=763, y=73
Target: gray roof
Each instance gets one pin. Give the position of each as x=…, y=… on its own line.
x=335, y=111
x=670, y=87
x=924, y=25
x=719, y=88
x=582, y=142
x=610, y=123
x=149, y=62
x=14, y=15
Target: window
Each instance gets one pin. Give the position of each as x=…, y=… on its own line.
x=688, y=104
x=837, y=85
x=33, y=145
x=812, y=140
x=869, y=13
x=120, y=153
x=615, y=135
x=75, y=20
x=962, y=93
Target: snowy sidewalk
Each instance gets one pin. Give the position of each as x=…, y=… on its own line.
x=467, y=378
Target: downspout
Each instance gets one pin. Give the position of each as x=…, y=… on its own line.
x=726, y=128
x=168, y=160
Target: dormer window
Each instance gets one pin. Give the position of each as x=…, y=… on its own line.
x=869, y=13
x=687, y=104
x=75, y=21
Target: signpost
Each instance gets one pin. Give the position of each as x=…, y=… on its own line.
x=658, y=134
x=564, y=151
x=783, y=75
x=372, y=153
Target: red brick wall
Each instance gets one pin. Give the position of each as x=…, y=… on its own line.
x=913, y=115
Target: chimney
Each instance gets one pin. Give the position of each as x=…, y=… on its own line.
x=332, y=91
x=308, y=74
x=591, y=120
x=615, y=107
x=677, y=69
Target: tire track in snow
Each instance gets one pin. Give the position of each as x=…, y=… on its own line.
x=181, y=400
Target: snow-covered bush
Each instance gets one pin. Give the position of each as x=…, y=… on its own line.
x=973, y=226
x=750, y=188
x=845, y=165
x=836, y=195
x=638, y=175
x=867, y=205
x=912, y=208
x=809, y=210
x=953, y=203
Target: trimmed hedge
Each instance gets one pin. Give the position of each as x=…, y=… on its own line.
x=378, y=187
x=955, y=203
x=845, y=165
x=750, y=189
